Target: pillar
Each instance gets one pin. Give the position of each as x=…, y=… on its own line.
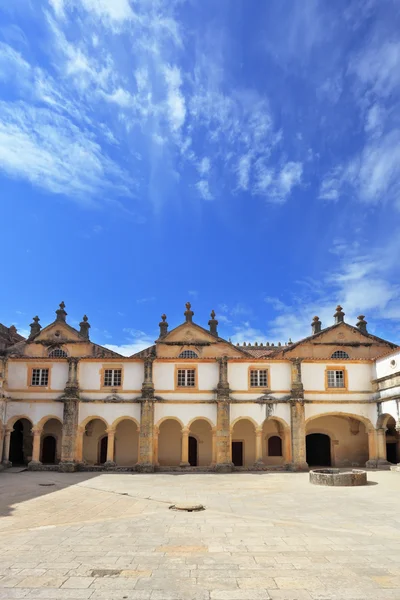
x=372, y=449
x=69, y=460
x=80, y=432
x=155, y=445
x=6, y=454
x=214, y=446
x=223, y=445
x=110, y=448
x=146, y=459
x=298, y=435
x=185, y=448
x=381, y=447
x=35, y=462
x=259, y=447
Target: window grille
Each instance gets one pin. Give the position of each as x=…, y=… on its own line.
x=335, y=379
x=258, y=378
x=188, y=354
x=58, y=353
x=112, y=377
x=40, y=377
x=340, y=354
x=186, y=377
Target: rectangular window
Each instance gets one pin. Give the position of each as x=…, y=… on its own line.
x=335, y=379
x=258, y=378
x=40, y=377
x=186, y=377
x=112, y=377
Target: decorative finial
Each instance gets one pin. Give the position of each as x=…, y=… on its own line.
x=315, y=325
x=163, y=325
x=290, y=342
x=84, y=325
x=61, y=314
x=35, y=327
x=188, y=313
x=362, y=323
x=213, y=323
x=339, y=314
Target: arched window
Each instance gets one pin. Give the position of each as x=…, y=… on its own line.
x=188, y=354
x=57, y=353
x=274, y=446
x=340, y=354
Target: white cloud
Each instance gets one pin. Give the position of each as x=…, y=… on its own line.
x=136, y=341
x=243, y=169
x=274, y=185
x=120, y=97
x=176, y=109
x=204, y=166
x=377, y=67
x=51, y=152
x=204, y=189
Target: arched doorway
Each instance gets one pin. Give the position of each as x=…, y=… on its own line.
x=21, y=442
x=103, y=445
x=170, y=443
x=275, y=442
x=93, y=446
x=192, y=451
x=200, y=443
x=318, y=450
x=243, y=443
x=126, y=443
x=49, y=445
x=392, y=441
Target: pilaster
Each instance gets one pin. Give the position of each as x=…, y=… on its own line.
x=297, y=419
x=110, y=462
x=70, y=400
x=223, y=444
x=146, y=433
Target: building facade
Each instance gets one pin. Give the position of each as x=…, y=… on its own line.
x=195, y=400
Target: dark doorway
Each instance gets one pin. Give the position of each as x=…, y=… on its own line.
x=391, y=452
x=274, y=446
x=318, y=450
x=237, y=454
x=103, y=450
x=49, y=450
x=17, y=444
x=192, y=451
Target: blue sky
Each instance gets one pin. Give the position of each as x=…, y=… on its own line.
x=240, y=154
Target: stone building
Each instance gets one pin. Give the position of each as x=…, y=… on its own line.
x=194, y=399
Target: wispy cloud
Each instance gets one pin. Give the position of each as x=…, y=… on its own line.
x=135, y=341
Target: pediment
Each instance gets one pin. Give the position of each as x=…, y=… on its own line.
x=189, y=333
x=190, y=336
x=58, y=333
x=343, y=337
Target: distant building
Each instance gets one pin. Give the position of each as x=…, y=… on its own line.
x=194, y=399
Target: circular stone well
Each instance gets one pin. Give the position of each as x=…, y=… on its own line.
x=337, y=477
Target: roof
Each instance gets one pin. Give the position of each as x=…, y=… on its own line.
x=9, y=336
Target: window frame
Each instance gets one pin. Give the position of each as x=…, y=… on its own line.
x=258, y=387
x=111, y=367
x=345, y=379
x=340, y=357
x=195, y=357
x=40, y=366
x=186, y=367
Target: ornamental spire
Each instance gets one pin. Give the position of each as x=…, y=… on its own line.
x=188, y=313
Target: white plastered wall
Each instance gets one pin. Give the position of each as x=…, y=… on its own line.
x=18, y=375
x=260, y=412
x=35, y=411
x=358, y=375
x=368, y=411
x=185, y=412
x=109, y=411
x=279, y=375
x=387, y=365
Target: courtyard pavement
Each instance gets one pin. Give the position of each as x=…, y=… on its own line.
x=262, y=535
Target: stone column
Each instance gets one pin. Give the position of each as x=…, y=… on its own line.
x=185, y=448
x=145, y=462
x=381, y=447
x=6, y=454
x=223, y=434
x=259, y=447
x=110, y=448
x=35, y=463
x=156, y=431
x=372, y=449
x=297, y=419
x=69, y=461
x=214, y=446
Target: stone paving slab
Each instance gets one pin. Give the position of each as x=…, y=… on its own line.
x=262, y=536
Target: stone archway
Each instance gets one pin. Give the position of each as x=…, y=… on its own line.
x=95, y=431
x=349, y=440
x=200, y=443
x=126, y=443
x=275, y=439
x=21, y=442
x=51, y=437
x=169, y=443
x=243, y=443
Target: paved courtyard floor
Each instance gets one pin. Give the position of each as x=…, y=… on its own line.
x=262, y=535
